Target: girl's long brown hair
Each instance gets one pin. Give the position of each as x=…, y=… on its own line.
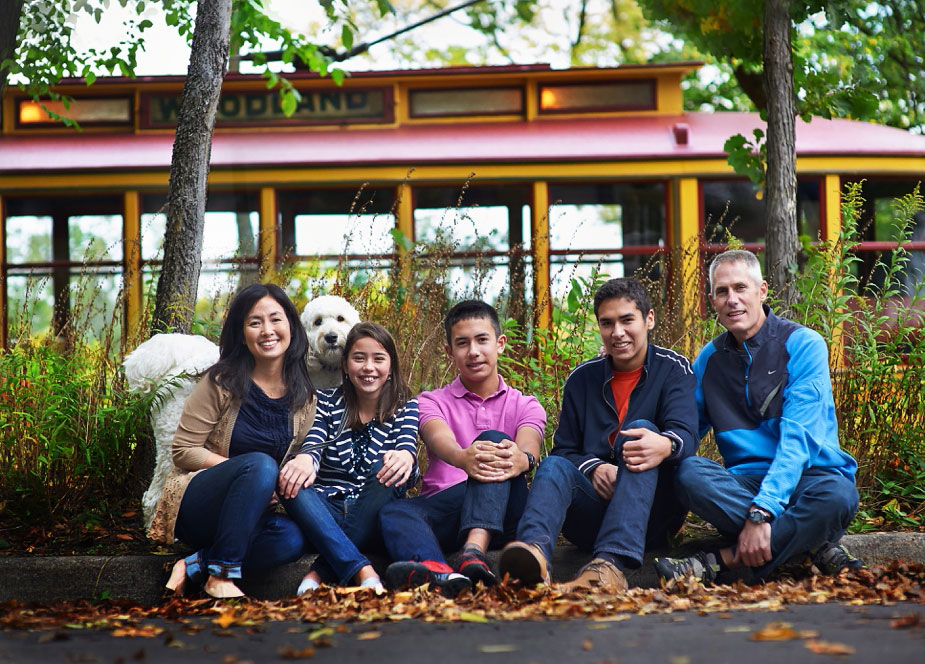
x=395, y=393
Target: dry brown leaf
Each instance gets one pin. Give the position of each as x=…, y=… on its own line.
x=368, y=636
x=775, y=631
x=911, y=620
x=587, y=644
x=829, y=648
x=288, y=652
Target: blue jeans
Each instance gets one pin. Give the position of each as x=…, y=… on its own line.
x=820, y=508
x=314, y=516
x=422, y=528
x=358, y=517
x=225, y=515
x=562, y=498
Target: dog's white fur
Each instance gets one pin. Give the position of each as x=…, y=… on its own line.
x=158, y=362
x=156, y=365
x=327, y=320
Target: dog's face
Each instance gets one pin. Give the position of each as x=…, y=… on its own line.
x=327, y=321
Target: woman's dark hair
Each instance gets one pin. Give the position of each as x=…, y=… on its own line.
x=235, y=362
x=395, y=393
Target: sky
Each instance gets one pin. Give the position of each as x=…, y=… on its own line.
x=167, y=53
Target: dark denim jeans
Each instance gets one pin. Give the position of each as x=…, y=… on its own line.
x=359, y=517
x=642, y=512
x=422, y=528
x=225, y=515
x=820, y=508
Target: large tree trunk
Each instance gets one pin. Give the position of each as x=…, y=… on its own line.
x=781, y=177
x=189, y=168
x=10, y=15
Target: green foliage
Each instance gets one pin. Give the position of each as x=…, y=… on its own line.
x=68, y=427
x=880, y=369
x=747, y=158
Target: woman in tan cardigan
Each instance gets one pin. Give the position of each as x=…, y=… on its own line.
x=250, y=411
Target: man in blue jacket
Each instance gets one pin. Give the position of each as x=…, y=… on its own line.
x=764, y=388
x=627, y=418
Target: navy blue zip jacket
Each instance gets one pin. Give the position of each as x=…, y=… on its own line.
x=771, y=408
x=664, y=395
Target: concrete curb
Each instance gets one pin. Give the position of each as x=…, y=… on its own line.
x=140, y=578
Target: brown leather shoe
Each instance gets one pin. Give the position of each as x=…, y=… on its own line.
x=525, y=563
x=599, y=574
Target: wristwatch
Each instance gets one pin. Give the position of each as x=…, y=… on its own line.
x=531, y=462
x=757, y=515
x=675, y=446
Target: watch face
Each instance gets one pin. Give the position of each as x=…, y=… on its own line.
x=757, y=517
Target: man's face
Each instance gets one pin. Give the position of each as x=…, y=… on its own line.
x=474, y=347
x=624, y=332
x=737, y=300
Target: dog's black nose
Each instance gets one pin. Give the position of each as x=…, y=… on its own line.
x=331, y=338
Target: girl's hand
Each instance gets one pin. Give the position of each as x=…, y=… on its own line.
x=298, y=473
x=396, y=467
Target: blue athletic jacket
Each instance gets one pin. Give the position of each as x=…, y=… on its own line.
x=664, y=395
x=771, y=408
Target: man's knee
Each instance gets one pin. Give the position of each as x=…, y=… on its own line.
x=838, y=493
x=554, y=467
x=641, y=424
x=493, y=435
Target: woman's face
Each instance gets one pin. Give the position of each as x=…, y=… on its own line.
x=266, y=330
x=368, y=366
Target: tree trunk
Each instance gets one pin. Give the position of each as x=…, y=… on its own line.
x=781, y=178
x=189, y=169
x=10, y=16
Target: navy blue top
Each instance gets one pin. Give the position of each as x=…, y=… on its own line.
x=263, y=425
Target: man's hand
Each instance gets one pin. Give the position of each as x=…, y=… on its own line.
x=503, y=460
x=754, y=545
x=298, y=473
x=603, y=479
x=644, y=449
x=396, y=467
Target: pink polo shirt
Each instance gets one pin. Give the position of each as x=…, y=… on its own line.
x=468, y=415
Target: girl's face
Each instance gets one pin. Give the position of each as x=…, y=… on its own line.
x=368, y=366
x=266, y=330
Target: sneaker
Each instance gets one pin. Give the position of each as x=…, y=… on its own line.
x=409, y=574
x=701, y=566
x=525, y=563
x=599, y=574
x=831, y=558
x=475, y=566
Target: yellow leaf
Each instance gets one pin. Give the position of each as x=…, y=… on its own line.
x=466, y=616
x=368, y=636
x=776, y=631
x=829, y=648
x=496, y=648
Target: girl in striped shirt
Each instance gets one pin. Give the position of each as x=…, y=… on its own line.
x=361, y=452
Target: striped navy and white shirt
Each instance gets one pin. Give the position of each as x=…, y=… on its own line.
x=343, y=464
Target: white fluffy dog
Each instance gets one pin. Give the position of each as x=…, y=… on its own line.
x=156, y=365
x=158, y=362
x=327, y=320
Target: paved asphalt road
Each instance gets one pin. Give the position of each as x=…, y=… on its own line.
x=681, y=638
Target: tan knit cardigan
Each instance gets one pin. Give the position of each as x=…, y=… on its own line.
x=208, y=419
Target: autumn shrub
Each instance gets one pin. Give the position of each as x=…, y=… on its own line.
x=68, y=426
x=877, y=355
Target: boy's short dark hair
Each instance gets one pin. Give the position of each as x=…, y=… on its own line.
x=470, y=309
x=625, y=287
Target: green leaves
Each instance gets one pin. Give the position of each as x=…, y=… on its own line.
x=748, y=158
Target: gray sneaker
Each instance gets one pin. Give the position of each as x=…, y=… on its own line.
x=701, y=566
x=832, y=558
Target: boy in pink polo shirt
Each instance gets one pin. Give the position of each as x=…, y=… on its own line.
x=482, y=437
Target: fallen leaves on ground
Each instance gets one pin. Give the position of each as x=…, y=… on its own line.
x=879, y=585
x=829, y=648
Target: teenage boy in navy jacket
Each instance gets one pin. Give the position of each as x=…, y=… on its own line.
x=627, y=419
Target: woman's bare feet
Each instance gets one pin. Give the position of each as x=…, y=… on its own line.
x=222, y=588
x=367, y=578
x=177, y=581
x=310, y=582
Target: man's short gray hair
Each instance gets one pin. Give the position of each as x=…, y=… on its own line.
x=736, y=256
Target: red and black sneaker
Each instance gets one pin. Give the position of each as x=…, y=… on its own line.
x=475, y=566
x=410, y=574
